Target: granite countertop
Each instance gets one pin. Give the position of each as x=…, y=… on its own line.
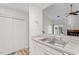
x=72, y=48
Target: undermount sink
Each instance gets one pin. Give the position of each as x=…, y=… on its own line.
x=58, y=43
x=47, y=39
x=54, y=41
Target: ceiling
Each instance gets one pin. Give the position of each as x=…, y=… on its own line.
x=22, y=7
x=43, y=5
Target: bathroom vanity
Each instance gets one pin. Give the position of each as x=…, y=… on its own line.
x=55, y=45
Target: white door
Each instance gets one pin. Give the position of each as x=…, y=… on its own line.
x=19, y=34
x=12, y=35
x=5, y=34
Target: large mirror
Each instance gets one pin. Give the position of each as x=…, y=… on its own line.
x=61, y=19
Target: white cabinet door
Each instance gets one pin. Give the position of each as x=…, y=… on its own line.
x=40, y=49
x=36, y=49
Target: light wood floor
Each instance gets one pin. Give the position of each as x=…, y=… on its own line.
x=24, y=51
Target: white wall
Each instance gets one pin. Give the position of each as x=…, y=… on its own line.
x=13, y=33
x=35, y=23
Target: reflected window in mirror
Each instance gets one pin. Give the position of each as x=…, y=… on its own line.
x=58, y=29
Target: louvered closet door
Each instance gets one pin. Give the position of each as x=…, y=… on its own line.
x=5, y=34
x=19, y=37
x=12, y=35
